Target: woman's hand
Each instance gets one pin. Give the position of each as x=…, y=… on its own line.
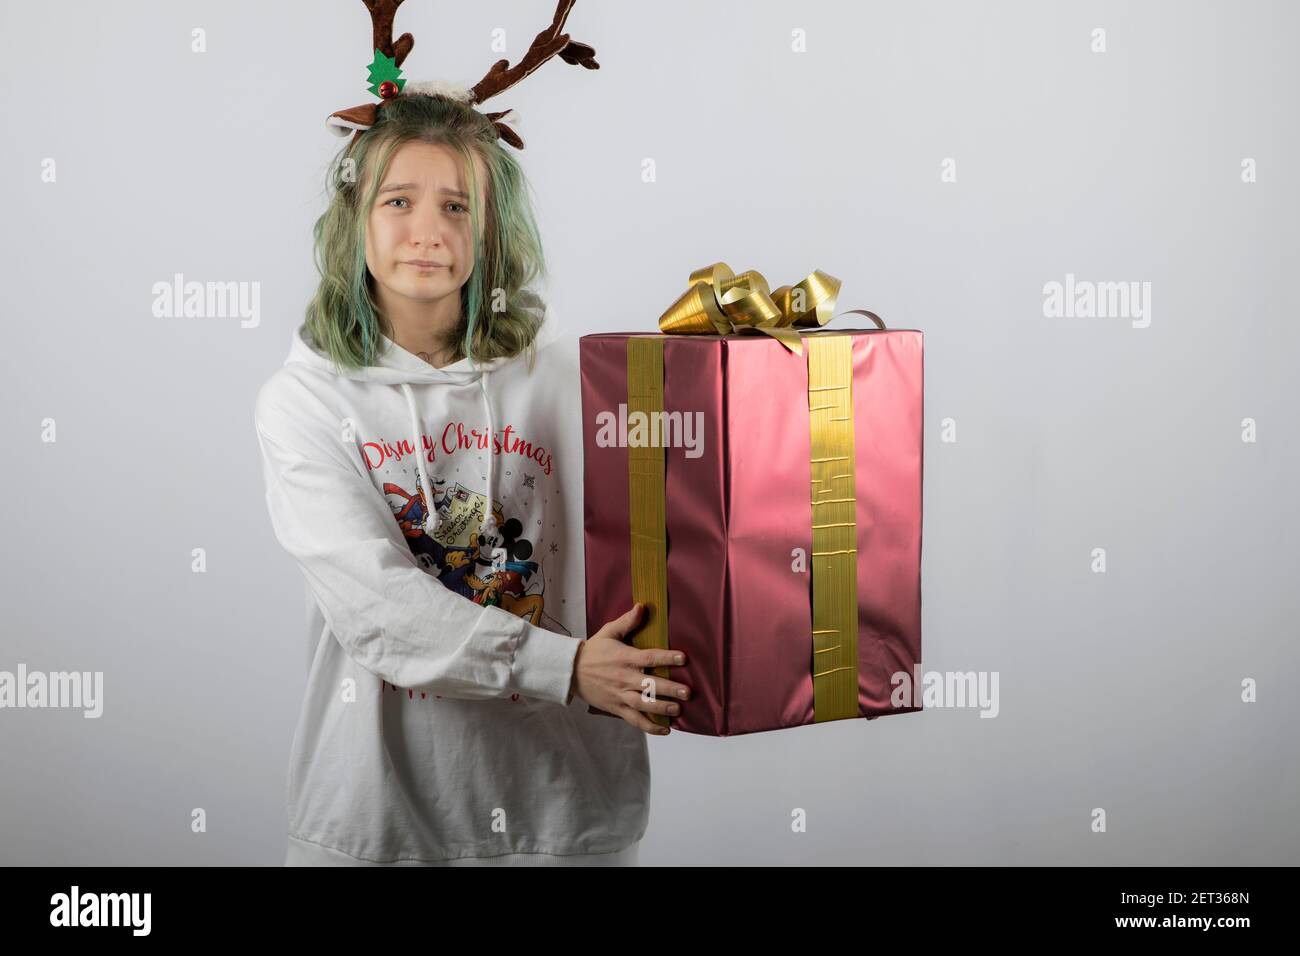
x=608, y=675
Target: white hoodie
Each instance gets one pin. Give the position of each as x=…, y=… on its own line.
x=438, y=722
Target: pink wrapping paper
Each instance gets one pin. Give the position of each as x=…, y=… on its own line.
x=735, y=515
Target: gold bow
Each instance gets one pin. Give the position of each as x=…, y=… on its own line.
x=719, y=302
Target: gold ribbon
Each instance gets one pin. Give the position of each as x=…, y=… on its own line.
x=647, y=511
x=834, y=528
x=719, y=302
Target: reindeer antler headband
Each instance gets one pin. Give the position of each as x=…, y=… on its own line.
x=386, y=80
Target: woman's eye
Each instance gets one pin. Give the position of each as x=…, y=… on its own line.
x=457, y=207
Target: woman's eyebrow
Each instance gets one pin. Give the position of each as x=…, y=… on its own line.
x=449, y=192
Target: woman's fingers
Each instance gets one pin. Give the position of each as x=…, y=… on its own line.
x=624, y=624
x=663, y=687
x=659, y=657
x=640, y=721
x=649, y=694
x=636, y=701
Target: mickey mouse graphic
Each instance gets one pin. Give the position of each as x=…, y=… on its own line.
x=410, y=518
x=502, y=570
x=457, y=571
x=491, y=570
x=458, y=565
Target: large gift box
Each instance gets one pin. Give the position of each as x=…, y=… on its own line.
x=754, y=478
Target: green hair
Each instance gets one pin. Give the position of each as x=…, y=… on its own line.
x=496, y=321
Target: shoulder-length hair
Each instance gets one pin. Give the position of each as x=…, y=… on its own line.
x=496, y=320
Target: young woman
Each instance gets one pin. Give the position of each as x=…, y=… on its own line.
x=423, y=463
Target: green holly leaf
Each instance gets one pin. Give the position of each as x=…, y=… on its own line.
x=383, y=68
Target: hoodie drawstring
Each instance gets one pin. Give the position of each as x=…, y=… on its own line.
x=431, y=519
x=490, y=522
x=488, y=528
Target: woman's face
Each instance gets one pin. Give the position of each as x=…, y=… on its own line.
x=418, y=231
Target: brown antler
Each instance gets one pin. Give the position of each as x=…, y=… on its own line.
x=504, y=131
x=362, y=117
x=381, y=16
x=550, y=42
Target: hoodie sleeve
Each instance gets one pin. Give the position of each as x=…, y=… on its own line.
x=390, y=615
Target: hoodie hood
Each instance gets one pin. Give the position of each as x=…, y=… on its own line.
x=396, y=367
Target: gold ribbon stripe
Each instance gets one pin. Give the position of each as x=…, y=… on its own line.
x=646, y=508
x=834, y=528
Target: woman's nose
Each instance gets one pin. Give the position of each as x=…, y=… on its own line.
x=427, y=229
x=427, y=238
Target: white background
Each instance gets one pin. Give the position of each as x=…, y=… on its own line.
x=1119, y=690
